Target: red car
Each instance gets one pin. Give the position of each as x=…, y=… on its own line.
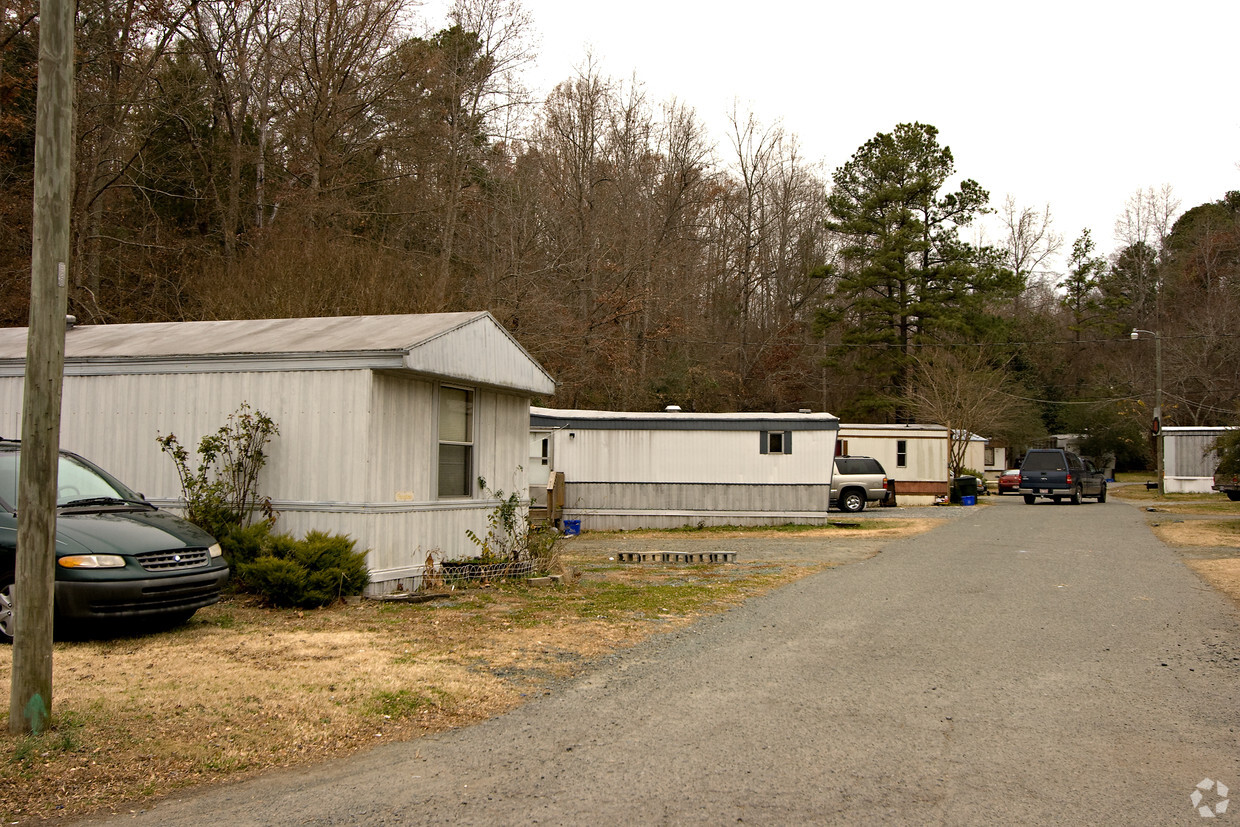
x=1009, y=481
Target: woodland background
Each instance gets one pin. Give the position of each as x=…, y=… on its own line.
x=283, y=158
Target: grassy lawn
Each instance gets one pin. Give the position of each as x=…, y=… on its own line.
x=241, y=689
x=1211, y=503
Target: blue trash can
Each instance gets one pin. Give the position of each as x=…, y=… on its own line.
x=572, y=528
x=968, y=499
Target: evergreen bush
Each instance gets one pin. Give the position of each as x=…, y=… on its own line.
x=313, y=571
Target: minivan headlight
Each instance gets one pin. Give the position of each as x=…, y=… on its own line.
x=215, y=550
x=92, y=561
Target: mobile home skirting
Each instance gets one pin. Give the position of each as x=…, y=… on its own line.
x=631, y=505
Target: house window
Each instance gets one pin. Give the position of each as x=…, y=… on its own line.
x=456, y=442
x=540, y=453
x=901, y=453
x=990, y=458
x=776, y=442
x=841, y=447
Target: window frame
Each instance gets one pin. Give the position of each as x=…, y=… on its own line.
x=768, y=439
x=471, y=430
x=902, y=453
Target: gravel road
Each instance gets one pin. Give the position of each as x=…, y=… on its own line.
x=1019, y=664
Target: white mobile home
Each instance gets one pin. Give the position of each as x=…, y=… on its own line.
x=669, y=469
x=914, y=456
x=1188, y=467
x=386, y=422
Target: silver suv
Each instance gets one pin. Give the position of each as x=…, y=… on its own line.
x=857, y=481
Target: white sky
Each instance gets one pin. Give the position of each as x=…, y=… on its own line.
x=1075, y=104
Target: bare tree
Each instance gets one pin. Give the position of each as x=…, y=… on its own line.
x=1029, y=239
x=964, y=393
x=1147, y=217
x=120, y=48
x=486, y=90
x=234, y=39
x=338, y=72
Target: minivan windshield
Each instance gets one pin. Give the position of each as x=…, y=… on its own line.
x=75, y=481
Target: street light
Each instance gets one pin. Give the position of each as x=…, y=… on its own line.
x=1157, y=424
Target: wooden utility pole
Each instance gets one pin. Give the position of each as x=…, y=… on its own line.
x=30, y=700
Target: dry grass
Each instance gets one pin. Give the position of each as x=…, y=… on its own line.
x=242, y=689
x=1199, y=533
x=1217, y=536
x=1223, y=575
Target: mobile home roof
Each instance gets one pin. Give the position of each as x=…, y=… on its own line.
x=460, y=346
x=681, y=421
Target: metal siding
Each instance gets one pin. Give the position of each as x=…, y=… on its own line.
x=927, y=455
x=502, y=440
x=586, y=497
x=481, y=352
x=11, y=406
x=689, y=457
x=404, y=442
x=400, y=541
x=348, y=442
x=322, y=417
x=1191, y=454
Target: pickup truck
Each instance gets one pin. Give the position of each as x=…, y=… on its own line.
x=1057, y=475
x=1228, y=484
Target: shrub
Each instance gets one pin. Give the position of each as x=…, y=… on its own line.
x=511, y=547
x=245, y=545
x=313, y=571
x=281, y=582
x=222, y=491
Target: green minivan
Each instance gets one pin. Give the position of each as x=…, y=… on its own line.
x=118, y=558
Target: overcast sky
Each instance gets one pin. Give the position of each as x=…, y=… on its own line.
x=1075, y=104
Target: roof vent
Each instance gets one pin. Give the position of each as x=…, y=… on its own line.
x=804, y=410
x=672, y=409
x=70, y=321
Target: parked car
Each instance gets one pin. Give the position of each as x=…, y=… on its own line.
x=1009, y=481
x=1060, y=474
x=117, y=556
x=857, y=481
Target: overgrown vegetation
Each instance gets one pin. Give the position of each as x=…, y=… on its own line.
x=512, y=547
x=220, y=489
x=220, y=484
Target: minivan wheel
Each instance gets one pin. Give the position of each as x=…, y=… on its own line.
x=852, y=502
x=6, y=609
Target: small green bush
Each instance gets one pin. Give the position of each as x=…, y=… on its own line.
x=282, y=582
x=313, y=571
x=245, y=545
